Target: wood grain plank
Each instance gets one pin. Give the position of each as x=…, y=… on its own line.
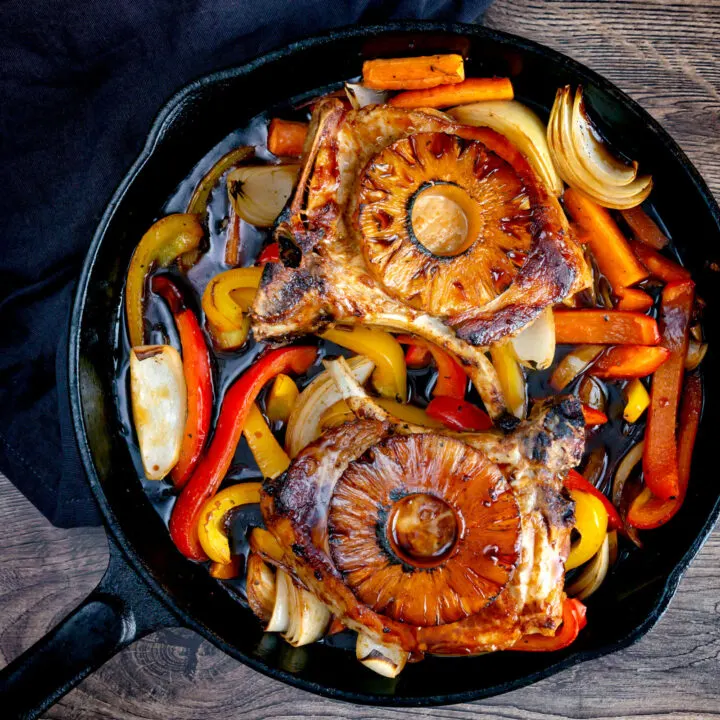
x=665, y=55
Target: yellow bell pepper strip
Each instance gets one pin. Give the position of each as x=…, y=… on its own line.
x=234, y=411
x=637, y=400
x=269, y=455
x=511, y=377
x=282, y=397
x=211, y=521
x=390, y=374
x=226, y=301
x=339, y=412
x=591, y=522
x=226, y=571
x=575, y=481
x=573, y=622
x=159, y=247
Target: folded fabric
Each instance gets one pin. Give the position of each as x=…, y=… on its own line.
x=80, y=86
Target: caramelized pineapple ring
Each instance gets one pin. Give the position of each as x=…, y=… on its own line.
x=424, y=529
x=445, y=223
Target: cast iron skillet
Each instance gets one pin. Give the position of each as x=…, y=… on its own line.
x=148, y=584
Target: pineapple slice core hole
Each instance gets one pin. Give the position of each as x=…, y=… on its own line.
x=422, y=529
x=444, y=219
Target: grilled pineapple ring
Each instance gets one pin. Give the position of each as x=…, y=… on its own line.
x=424, y=529
x=445, y=224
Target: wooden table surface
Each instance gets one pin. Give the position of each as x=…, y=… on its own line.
x=667, y=56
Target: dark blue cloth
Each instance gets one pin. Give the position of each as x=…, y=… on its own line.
x=80, y=83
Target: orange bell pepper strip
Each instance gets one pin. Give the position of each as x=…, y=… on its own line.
x=593, y=416
x=573, y=622
x=644, y=228
x=458, y=414
x=286, y=138
x=235, y=409
x=647, y=511
x=660, y=462
x=605, y=327
x=608, y=245
x=630, y=361
x=451, y=380
x=198, y=379
x=468, y=91
x=413, y=73
x=575, y=481
x=658, y=265
x=633, y=300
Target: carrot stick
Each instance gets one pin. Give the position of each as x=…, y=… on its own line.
x=658, y=265
x=644, y=228
x=286, y=138
x=630, y=361
x=605, y=327
x=660, y=457
x=608, y=245
x=593, y=416
x=633, y=300
x=413, y=73
x=469, y=91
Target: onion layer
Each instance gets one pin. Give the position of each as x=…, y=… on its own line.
x=535, y=344
x=585, y=163
x=522, y=127
x=385, y=660
x=259, y=192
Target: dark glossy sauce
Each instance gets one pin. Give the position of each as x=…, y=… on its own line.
x=617, y=436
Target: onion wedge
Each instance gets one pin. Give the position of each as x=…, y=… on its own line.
x=308, y=618
x=280, y=618
x=385, y=660
x=259, y=192
x=585, y=163
x=534, y=345
x=159, y=405
x=304, y=424
x=522, y=127
x=260, y=587
x=361, y=96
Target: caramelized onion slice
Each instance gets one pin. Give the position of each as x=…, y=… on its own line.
x=280, y=618
x=631, y=459
x=308, y=618
x=385, y=660
x=522, y=127
x=695, y=354
x=592, y=575
x=259, y=192
x=159, y=406
x=260, y=587
x=535, y=344
x=573, y=364
x=304, y=424
x=585, y=163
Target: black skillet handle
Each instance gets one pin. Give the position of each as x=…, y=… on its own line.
x=120, y=610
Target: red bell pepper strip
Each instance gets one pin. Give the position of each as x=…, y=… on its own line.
x=451, y=380
x=605, y=327
x=458, y=414
x=270, y=253
x=575, y=481
x=573, y=622
x=658, y=265
x=630, y=361
x=593, y=416
x=633, y=300
x=647, y=511
x=660, y=462
x=417, y=357
x=211, y=470
x=198, y=378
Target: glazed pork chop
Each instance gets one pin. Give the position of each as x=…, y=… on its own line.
x=406, y=220
x=432, y=541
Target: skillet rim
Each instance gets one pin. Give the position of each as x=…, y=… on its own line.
x=161, y=124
